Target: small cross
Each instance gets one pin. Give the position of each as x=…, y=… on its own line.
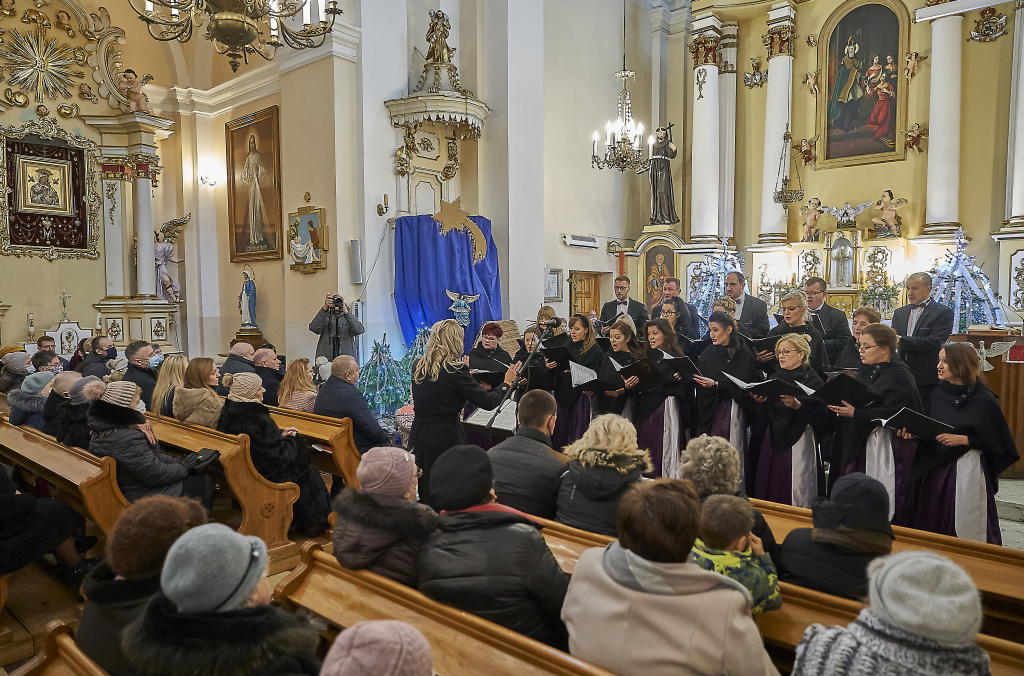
x=64, y=298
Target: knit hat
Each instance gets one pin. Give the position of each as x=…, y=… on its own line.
x=462, y=477
x=212, y=569
x=121, y=393
x=80, y=392
x=858, y=502
x=244, y=386
x=386, y=470
x=384, y=647
x=17, y=362
x=145, y=532
x=64, y=380
x=925, y=594
x=35, y=383
x=117, y=364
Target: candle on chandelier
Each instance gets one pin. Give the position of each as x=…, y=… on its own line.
x=306, y=18
x=149, y=5
x=273, y=19
x=322, y=6
x=608, y=133
x=596, y=136
x=650, y=146
x=639, y=135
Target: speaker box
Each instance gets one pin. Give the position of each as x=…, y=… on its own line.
x=355, y=251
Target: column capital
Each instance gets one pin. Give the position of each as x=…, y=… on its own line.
x=115, y=168
x=780, y=40
x=707, y=36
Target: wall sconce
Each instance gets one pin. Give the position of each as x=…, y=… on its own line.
x=208, y=181
x=383, y=208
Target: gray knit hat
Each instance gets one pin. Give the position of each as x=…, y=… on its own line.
x=78, y=392
x=386, y=470
x=35, y=383
x=121, y=393
x=212, y=569
x=16, y=362
x=925, y=594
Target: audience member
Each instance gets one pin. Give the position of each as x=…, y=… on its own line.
x=751, y=311
x=196, y=402
x=48, y=344
x=16, y=365
x=213, y=615
x=330, y=323
x=62, y=383
x=116, y=591
x=850, y=530
x=116, y=369
x=120, y=431
x=639, y=608
x=73, y=414
x=141, y=370
x=84, y=345
x=527, y=469
x=923, y=325
x=297, y=391
x=46, y=361
x=279, y=455
x=728, y=546
x=170, y=379
x=379, y=648
x=381, y=526
x=602, y=466
x=95, y=362
x=340, y=398
x=268, y=367
x=923, y=616
x=239, y=361
x=28, y=401
x=489, y=559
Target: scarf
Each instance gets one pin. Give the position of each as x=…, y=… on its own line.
x=859, y=540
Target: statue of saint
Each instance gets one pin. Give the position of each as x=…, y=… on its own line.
x=166, y=289
x=247, y=300
x=437, y=36
x=663, y=198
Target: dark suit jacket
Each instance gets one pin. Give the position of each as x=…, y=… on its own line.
x=754, y=315
x=837, y=331
x=635, y=310
x=921, y=351
x=271, y=383
x=340, y=399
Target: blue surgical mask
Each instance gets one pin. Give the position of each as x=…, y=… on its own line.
x=111, y=352
x=155, y=360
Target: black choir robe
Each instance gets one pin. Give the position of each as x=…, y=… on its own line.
x=849, y=358
x=608, y=373
x=837, y=330
x=714, y=363
x=536, y=376
x=481, y=359
x=819, y=357
x=787, y=425
x=646, y=403
x=565, y=394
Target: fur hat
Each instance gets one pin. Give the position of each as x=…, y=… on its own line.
x=35, y=383
x=89, y=387
x=64, y=380
x=461, y=478
x=925, y=594
x=244, y=386
x=377, y=648
x=386, y=470
x=145, y=532
x=121, y=393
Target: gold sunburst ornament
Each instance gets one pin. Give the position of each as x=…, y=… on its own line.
x=39, y=66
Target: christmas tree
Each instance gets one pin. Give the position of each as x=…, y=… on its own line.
x=708, y=277
x=415, y=351
x=960, y=284
x=383, y=383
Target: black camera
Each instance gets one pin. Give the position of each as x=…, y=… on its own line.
x=339, y=305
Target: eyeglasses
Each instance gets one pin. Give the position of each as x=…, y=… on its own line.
x=419, y=473
x=865, y=348
x=622, y=288
x=666, y=311
x=785, y=353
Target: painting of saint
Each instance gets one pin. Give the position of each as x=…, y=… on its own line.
x=254, y=186
x=659, y=264
x=42, y=193
x=307, y=239
x=860, y=116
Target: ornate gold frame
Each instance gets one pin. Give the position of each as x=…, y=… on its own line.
x=821, y=123
x=324, y=239
x=46, y=128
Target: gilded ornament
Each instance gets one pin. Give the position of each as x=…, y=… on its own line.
x=85, y=93
x=42, y=111
x=756, y=78
x=171, y=230
x=913, y=61
x=39, y=66
x=7, y=9
x=812, y=40
x=915, y=135
x=1017, y=298
x=811, y=80
x=991, y=26
x=111, y=192
x=704, y=49
x=701, y=80
x=452, y=167
x=15, y=98
x=63, y=22
x=114, y=329
x=36, y=17
x=779, y=41
x=453, y=217
x=439, y=58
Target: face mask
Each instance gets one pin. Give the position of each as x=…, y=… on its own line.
x=155, y=360
x=56, y=369
x=111, y=352
x=30, y=369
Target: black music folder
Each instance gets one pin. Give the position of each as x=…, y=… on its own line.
x=648, y=374
x=846, y=388
x=560, y=355
x=586, y=379
x=684, y=366
x=770, y=388
x=695, y=347
x=918, y=424
x=492, y=378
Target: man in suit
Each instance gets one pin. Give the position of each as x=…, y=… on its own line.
x=671, y=289
x=923, y=326
x=837, y=326
x=623, y=305
x=752, y=311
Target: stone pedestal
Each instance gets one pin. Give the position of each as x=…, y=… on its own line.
x=252, y=336
x=129, y=319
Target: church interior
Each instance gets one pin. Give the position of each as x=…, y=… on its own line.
x=200, y=176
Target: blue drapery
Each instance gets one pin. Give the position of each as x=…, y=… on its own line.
x=427, y=263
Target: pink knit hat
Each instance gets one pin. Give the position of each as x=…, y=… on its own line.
x=381, y=648
x=386, y=470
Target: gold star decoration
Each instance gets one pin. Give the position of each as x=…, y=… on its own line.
x=453, y=217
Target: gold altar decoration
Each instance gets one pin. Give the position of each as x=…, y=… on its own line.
x=453, y=217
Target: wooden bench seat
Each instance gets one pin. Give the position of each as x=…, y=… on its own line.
x=462, y=643
x=335, y=433
x=60, y=656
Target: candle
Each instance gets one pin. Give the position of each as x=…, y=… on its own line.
x=650, y=146
x=595, y=144
x=321, y=6
x=30, y=316
x=273, y=19
x=149, y=5
x=305, y=13
x=608, y=133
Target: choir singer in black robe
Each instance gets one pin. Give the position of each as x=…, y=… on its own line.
x=793, y=307
x=625, y=350
x=662, y=414
x=575, y=407
x=487, y=355
x=849, y=358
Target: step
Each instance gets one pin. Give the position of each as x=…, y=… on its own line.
x=1010, y=500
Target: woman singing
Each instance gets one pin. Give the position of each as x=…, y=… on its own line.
x=794, y=315
x=575, y=409
x=625, y=350
x=662, y=414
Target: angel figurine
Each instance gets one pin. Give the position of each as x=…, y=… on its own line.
x=846, y=215
x=166, y=290
x=130, y=87
x=811, y=80
x=460, y=306
x=914, y=137
x=995, y=350
x=811, y=213
x=888, y=224
x=913, y=61
x=806, y=149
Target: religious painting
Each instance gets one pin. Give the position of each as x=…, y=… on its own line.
x=659, y=264
x=862, y=103
x=254, y=186
x=307, y=239
x=44, y=186
x=553, y=286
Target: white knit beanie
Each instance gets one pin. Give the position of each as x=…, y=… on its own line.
x=925, y=594
x=244, y=386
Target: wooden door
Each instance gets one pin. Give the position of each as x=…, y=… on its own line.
x=585, y=292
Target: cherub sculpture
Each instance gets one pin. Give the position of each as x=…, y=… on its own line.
x=8, y=9
x=806, y=149
x=811, y=213
x=888, y=224
x=130, y=87
x=85, y=92
x=914, y=137
x=63, y=22
x=846, y=215
x=913, y=60
x=812, y=40
x=811, y=80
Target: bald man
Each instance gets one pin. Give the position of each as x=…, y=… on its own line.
x=340, y=398
x=268, y=368
x=923, y=326
x=239, y=361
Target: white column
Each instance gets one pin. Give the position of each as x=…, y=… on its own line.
x=707, y=31
x=777, y=116
x=727, y=129
x=942, y=206
x=1015, y=164
x=142, y=217
x=660, y=21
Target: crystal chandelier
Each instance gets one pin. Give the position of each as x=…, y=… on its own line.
x=624, y=136
x=239, y=28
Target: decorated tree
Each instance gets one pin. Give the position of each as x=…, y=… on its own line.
x=959, y=283
x=383, y=383
x=708, y=278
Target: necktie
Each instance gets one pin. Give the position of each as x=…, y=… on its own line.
x=917, y=306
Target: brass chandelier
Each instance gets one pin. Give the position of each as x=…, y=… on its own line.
x=239, y=28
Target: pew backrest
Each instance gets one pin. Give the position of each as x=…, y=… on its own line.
x=335, y=433
x=60, y=656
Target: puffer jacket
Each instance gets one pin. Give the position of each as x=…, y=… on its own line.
x=593, y=484
x=381, y=533
x=142, y=469
x=756, y=572
x=197, y=406
x=73, y=424
x=492, y=561
x=53, y=401
x=26, y=409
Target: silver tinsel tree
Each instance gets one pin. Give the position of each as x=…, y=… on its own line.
x=960, y=284
x=708, y=278
x=382, y=382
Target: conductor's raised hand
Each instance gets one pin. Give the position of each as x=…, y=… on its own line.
x=510, y=375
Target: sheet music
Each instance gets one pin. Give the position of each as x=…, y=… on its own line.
x=804, y=388
x=581, y=374
x=506, y=419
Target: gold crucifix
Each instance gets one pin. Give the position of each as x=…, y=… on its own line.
x=64, y=298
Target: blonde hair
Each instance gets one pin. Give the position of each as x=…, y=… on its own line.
x=801, y=298
x=728, y=303
x=545, y=313
x=296, y=379
x=172, y=374
x=799, y=341
x=610, y=441
x=444, y=349
x=712, y=464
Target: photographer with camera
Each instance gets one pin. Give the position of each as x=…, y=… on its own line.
x=336, y=327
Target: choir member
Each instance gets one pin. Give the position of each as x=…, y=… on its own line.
x=728, y=306
x=793, y=307
x=849, y=358
x=441, y=386
x=535, y=376
x=625, y=351
x=675, y=313
x=924, y=326
x=575, y=408
x=751, y=311
x=488, y=355
x=722, y=407
x=958, y=473
x=863, y=444
x=833, y=320
x=788, y=471
x=546, y=314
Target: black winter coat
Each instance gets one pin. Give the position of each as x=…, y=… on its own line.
x=50, y=412
x=527, y=472
x=823, y=566
x=263, y=640
x=271, y=383
x=26, y=409
x=234, y=364
x=73, y=424
x=496, y=565
x=145, y=378
x=30, y=528
x=591, y=487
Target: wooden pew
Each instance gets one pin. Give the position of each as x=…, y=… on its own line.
x=336, y=433
x=266, y=506
x=60, y=656
x=997, y=571
x=462, y=643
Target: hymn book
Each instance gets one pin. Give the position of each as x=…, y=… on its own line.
x=586, y=379
x=684, y=366
x=506, y=419
x=846, y=388
x=696, y=346
x=769, y=388
x=918, y=424
x=648, y=375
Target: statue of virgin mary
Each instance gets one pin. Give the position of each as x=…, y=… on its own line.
x=247, y=300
